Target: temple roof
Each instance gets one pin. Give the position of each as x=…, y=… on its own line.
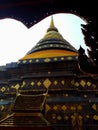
x=50, y=46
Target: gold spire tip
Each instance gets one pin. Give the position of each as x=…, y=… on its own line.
x=52, y=22
x=52, y=26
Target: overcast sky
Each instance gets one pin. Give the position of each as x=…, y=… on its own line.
x=16, y=39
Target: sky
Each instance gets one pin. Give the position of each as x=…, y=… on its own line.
x=16, y=39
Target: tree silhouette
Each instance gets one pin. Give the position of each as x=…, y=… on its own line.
x=89, y=64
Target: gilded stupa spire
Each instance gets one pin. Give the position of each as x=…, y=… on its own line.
x=52, y=40
x=52, y=26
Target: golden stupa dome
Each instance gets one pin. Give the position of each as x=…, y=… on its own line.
x=52, y=45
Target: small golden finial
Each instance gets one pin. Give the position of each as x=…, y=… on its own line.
x=52, y=26
x=52, y=23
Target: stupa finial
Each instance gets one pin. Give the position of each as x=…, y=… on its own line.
x=52, y=22
x=52, y=26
